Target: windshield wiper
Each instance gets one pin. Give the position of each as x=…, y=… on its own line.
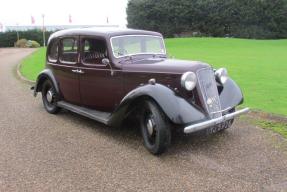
x=126, y=58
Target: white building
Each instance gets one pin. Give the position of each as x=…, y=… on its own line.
x=49, y=27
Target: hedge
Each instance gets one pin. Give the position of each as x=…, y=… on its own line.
x=9, y=38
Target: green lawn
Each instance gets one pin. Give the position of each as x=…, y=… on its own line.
x=33, y=64
x=259, y=66
x=277, y=127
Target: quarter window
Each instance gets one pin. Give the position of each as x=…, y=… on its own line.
x=53, y=52
x=94, y=51
x=69, y=50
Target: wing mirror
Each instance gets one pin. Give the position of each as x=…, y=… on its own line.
x=107, y=62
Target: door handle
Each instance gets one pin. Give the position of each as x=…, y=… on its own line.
x=77, y=71
x=80, y=71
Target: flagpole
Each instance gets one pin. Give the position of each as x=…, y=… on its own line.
x=17, y=32
x=70, y=18
x=44, y=40
x=1, y=27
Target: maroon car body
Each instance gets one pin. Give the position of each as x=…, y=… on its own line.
x=110, y=74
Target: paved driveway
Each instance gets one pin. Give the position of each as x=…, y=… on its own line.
x=66, y=152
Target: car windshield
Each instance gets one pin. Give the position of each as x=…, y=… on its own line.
x=137, y=44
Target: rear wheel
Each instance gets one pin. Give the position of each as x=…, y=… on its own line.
x=155, y=128
x=49, y=96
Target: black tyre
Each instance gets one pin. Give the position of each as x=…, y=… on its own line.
x=155, y=128
x=49, y=96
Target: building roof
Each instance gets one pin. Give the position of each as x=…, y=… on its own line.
x=51, y=27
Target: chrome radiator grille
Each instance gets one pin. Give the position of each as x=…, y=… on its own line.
x=208, y=91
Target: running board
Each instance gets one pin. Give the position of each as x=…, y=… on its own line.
x=99, y=116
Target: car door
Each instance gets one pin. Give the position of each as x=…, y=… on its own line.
x=66, y=69
x=100, y=85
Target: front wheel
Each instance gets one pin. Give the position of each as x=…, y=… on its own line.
x=155, y=128
x=49, y=97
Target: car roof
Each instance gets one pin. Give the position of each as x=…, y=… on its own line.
x=102, y=31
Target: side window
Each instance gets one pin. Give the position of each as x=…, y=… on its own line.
x=69, y=50
x=94, y=50
x=53, y=51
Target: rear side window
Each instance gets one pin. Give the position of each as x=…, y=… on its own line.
x=53, y=51
x=69, y=50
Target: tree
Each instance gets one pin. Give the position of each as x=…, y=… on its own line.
x=239, y=18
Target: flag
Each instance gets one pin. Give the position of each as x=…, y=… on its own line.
x=70, y=18
x=32, y=20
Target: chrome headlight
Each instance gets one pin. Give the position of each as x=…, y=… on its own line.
x=188, y=81
x=222, y=75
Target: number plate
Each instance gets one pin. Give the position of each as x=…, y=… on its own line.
x=217, y=128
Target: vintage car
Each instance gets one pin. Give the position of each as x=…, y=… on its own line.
x=111, y=74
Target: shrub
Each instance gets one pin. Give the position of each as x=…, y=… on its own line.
x=21, y=43
x=34, y=44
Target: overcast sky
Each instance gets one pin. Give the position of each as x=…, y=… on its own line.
x=83, y=12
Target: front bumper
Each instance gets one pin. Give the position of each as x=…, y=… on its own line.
x=212, y=122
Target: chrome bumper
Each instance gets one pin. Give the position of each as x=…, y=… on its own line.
x=209, y=123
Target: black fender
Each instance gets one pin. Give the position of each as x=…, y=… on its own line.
x=176, y=108
x=44, y=75
x=231, y=95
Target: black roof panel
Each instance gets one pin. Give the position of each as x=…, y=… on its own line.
x=102, y=31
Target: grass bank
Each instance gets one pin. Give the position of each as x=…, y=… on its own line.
x=33, y=64
x=277, y=127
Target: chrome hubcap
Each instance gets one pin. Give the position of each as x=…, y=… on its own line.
x=49, y=96
x=150, y=126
